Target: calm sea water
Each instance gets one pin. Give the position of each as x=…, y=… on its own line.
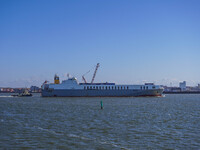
x=170, y=122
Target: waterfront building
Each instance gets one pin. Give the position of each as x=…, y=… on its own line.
x=34, y=89
x=175, y=89
x=182, y=85
x=7, y=90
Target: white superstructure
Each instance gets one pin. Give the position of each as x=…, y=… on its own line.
x=72, y=83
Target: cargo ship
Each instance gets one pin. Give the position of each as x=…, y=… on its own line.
x=71, y=88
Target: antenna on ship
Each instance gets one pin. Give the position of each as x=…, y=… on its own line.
x=95, y=72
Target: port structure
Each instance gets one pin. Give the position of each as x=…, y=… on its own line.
x=94, y=75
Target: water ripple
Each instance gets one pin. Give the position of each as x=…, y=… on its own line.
x=170, y=122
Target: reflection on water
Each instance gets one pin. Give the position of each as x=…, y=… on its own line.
x=170, y=122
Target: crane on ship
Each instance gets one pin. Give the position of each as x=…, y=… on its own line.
x=83, y=76
x=94, y=75
x=95, y=72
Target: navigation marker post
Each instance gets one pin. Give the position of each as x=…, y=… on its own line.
x=101, y=105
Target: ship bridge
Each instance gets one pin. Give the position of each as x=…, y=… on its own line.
x=71, y=81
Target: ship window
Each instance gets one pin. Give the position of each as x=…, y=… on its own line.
x=97, y=87
x=100, y=88
x=109, y=88
x=127, y=87
x=147, y=87
x=153, y=87
x=118, y=87
x=115, y=87
x=84, y=87
x=93, y=87
x=141, y=87
x=90, y=87
x=106, y=87
x=124, y=87
x=112, y=87
x=103, y=87
x=87, y=87
x=144, y=87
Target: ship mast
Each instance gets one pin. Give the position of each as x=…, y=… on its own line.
x=95, y=72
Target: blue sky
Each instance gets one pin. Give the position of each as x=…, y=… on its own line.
x=135, y=41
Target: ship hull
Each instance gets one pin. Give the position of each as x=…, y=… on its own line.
x=101, y=93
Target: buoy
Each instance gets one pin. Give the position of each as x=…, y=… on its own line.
x=101, y=105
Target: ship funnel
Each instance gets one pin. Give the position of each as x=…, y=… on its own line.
x=56, y=79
